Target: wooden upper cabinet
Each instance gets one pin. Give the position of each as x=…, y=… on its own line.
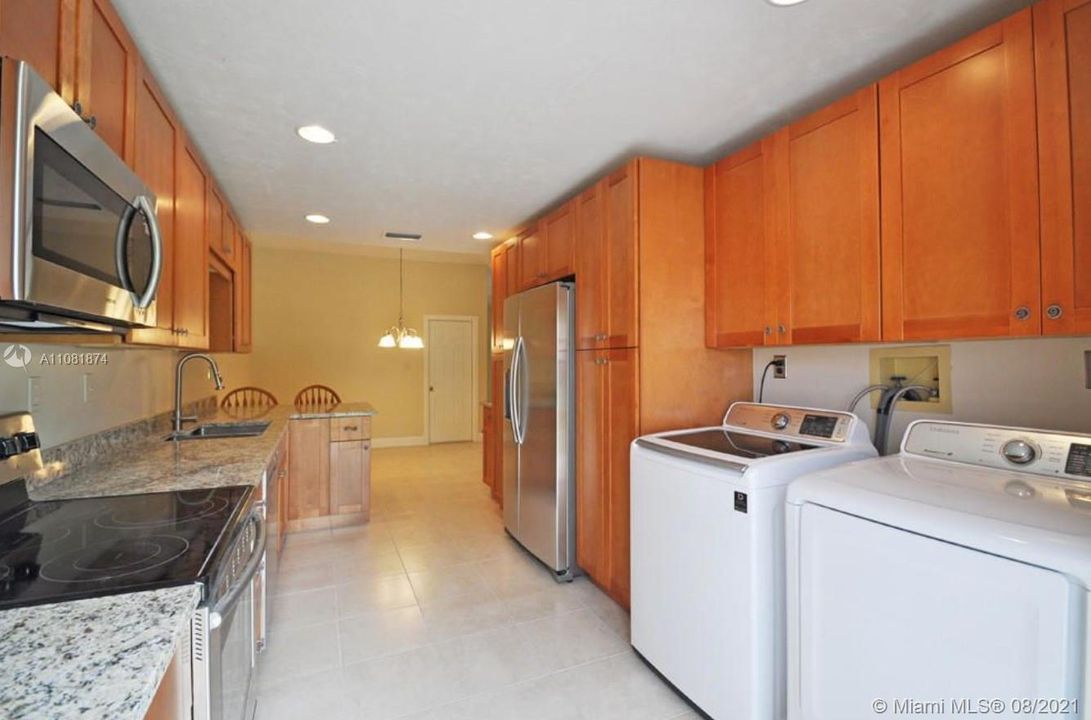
x=230, y=238
x=559, y=239
x=499, y=294
x=532, y=258
x=511, y=260
x=960, y=190
x=592, y=329
x=740, y=225
x=214, y=216
x=621, y=250
x=154, y=161
x=244, y=298
x=106, y=67
x=1062, y=41
x=826, y=272
x=42, y=32
x=191, y=251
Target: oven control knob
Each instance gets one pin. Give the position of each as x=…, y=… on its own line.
x=780, y=421
x=1019, y=452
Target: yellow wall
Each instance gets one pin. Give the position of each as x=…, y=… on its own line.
x=318, y=317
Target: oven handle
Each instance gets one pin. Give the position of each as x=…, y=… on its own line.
x=223, y=605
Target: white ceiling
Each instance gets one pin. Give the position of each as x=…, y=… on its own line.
x=457, y=116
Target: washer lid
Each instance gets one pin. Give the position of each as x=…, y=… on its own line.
x=1030, y=518
x=722, y=446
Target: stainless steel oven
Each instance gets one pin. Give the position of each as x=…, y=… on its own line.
x=81, y=243
x=224, y=641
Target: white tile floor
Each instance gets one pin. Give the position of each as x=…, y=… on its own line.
x=432, y=612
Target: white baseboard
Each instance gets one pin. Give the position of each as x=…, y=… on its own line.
x=385, y=442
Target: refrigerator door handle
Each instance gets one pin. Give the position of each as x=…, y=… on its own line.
x=524, y=391
x=513, y=392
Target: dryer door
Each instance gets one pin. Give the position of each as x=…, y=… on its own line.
x=887, y=616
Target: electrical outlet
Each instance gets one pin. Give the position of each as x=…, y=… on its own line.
x=88, y=387
x=34, y=393
x=780, y=370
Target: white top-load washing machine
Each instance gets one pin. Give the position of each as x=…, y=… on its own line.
x=951, y=579
x=707, y=527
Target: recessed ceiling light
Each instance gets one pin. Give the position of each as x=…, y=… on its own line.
x=316, y=134
x=784, y=3
x=482, y=235
x=317, y=219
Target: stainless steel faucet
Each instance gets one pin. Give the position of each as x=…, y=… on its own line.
x=216, y=377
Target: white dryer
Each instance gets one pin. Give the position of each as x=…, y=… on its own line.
x=951, y=579
x=707, y=553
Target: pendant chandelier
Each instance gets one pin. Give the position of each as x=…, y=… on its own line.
x=400, y=336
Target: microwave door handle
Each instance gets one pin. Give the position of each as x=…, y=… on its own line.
x=144, y=206
x=121, y=247
x=242, y=582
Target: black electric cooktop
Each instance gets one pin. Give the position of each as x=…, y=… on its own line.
x=738, y=444
x=69, y=549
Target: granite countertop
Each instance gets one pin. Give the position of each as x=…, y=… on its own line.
x=345, y=409
x=101, y=657
x=155, y=465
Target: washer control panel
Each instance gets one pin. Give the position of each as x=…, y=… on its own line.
x=795, y=422
x=1034, y=451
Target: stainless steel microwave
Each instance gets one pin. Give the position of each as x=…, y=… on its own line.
x=81, y=244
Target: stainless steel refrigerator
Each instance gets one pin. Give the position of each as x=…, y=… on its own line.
x=539, y=412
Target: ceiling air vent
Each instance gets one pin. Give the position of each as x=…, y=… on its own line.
x=412, y=237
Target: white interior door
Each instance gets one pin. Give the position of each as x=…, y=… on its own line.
x=450, y=345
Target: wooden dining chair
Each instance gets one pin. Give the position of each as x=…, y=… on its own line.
x=248, y=398
x=317, y=395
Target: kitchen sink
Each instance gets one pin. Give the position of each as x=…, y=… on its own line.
x=221, y=430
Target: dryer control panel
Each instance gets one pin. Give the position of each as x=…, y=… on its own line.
x=1023, y=450
x=791, y=421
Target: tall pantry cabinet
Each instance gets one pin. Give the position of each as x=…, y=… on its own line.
x=635, y=243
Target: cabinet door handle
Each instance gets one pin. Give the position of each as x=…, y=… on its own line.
x=1022, y=312
x=768, y=330
x=781, y=329
x=600, y=337
x=350, y=428
x=1054, y=312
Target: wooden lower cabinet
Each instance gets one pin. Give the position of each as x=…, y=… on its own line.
x=488, y=440
x=350, y=477
x=173, y=699
x=309, y=473
x=329, y=478
x=607, y=421
x=496, y=476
